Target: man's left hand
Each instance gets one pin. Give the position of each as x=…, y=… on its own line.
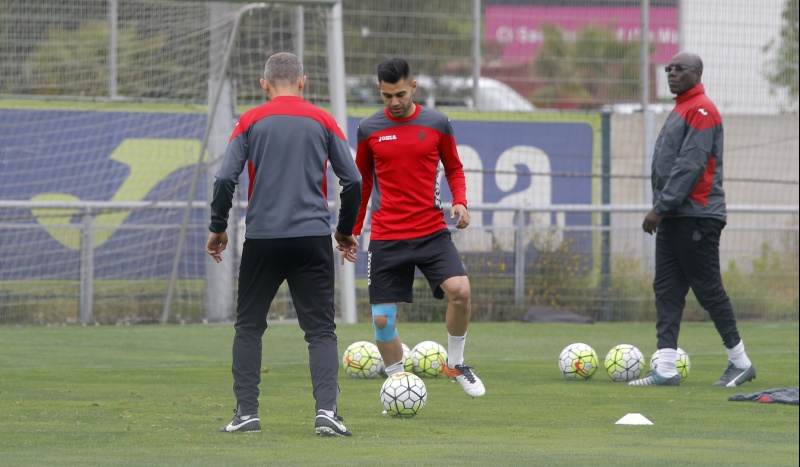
x=463, y=215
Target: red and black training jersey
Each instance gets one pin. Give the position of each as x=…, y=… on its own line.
x=399, y=165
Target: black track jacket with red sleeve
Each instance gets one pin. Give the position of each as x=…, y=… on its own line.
x=286, y=144
x=399, y=165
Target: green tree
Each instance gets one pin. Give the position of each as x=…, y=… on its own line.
x=594, y=69
x=75, y=62
x=430, y=34
x=783, y=62
x=23, y=23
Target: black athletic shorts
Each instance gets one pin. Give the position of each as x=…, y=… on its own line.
x=390, y=266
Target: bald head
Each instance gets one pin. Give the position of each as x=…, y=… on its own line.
x=684, y=72
x=688, y=58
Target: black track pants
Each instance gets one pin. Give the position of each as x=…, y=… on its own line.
x=687, y=255
x=306, y=263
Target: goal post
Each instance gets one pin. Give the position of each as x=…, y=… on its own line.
x=105, y=120
x=104, y=215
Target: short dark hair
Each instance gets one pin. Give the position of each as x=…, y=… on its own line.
x=393, y=70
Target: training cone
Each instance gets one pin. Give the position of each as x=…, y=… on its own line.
x=634, y=419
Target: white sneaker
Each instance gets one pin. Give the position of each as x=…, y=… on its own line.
x=654, y=379
x=325, y=425
x=246, y=424
x=470, y=382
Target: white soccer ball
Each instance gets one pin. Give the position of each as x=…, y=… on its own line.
x=577, y=362
x=403, y=394
x=624, y=362
x=683, y=363
x=362, y=360
x=428, y=359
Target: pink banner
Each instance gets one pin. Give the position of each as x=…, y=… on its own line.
x=518, y=27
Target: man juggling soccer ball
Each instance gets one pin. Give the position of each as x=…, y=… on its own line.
x=399, y=151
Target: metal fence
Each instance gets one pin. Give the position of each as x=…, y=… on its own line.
x=557, y=54
x=585, y=269
x=104, y=104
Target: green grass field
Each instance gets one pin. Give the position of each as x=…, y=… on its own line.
x=155, y=395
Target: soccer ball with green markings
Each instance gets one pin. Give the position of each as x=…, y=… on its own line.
x=577, y=362
x=362, y=360
x=624, y=362
x=683, y=363
x=408, y=364
x=428, y=359
x=403, y=394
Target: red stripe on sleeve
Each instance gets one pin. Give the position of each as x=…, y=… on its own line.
x=703, y=187
x=366, y=166
x=454, y=169
x=251, y=175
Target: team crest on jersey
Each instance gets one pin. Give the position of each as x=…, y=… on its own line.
x=422, y=135
x=387, y=138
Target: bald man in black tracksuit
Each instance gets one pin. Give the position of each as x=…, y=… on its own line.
x=688, y=215
x=286, y=145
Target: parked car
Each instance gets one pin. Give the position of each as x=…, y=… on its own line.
x=446, y=91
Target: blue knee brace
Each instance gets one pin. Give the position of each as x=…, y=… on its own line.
x=389, y=332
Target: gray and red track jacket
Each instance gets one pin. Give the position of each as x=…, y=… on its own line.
x=286, y=144
x=687, y=160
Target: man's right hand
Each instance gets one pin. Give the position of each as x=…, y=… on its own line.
x=651, y=222
x=216, y=244
x=348, y=246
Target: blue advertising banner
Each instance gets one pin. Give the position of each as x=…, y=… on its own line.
x=56, y=155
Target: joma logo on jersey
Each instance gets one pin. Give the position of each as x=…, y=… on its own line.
x=387, y=138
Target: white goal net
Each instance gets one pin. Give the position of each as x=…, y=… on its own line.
x=106, y=107
x=104, y=121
